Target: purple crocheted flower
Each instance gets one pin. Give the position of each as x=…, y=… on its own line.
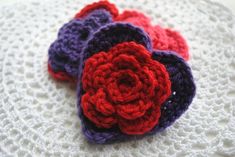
x=65, y=52
x=182, y=84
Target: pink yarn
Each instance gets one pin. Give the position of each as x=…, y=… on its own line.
x=162, y=39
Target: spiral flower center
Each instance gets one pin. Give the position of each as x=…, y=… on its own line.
x=125, y=82
x=123, y=86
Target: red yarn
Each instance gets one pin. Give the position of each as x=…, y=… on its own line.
x=177, y=43
x=162, y=39
x=62, y=76
x=124, y=87
x=132, y=15
x=98, y=5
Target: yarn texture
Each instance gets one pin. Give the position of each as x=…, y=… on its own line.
x=103, y=4
x=110, y=109
x=162, y=39
x=123, y=82
x=64, y=53
x=39, y=115
x=126, y=87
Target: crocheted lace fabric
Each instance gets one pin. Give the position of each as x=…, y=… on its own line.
x=39, y=115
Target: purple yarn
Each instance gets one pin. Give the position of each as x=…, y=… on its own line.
x=108, y=36
x=182, y=87
x=80, y=38
x=104, y=39
x=64, y=53
x=184, y=91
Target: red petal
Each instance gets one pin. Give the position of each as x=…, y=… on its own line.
x=91, y=65
x=163, y=89
x=62, y=76
x=98, y=5
x=124, y=61
x=160, y=39
x=101, y=103
x=132, y=16
x=140, y=125
x=133, y=110
x=132, y=49
x=89, y=110
x=177, y=43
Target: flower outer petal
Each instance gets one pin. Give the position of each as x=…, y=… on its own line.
x=142, y=124
x=103, y=4
x=90, y=111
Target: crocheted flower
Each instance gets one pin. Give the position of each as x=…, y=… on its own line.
x=162, y=39
x=65, y=52
x=126, y=89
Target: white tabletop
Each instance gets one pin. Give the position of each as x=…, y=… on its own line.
x=228, y=3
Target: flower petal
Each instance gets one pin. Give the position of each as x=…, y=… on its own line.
x=162, y=39
x=97, y=135
x=182, y=86
x=98, y=5
x=158, y=35
x=141, y=54
x=132, y=16
x=163, y=88
x=101, y=103
x=177, y=43
x=142, y=124
x=62, y=76
x=133, y=110
x=88, y=103
x=110, y=35
x=90, y=69
x=65, y=52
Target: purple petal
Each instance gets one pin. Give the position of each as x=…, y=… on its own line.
x=110, y=35
x=183, y=91
x=64, y=53
x=182, y=86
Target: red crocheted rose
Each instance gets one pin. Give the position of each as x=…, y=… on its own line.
x=124, y=87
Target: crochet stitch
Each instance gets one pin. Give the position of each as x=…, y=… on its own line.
x=180, y=77
x=65, y=52
x=130, y=81
x=182, y=87
x=181, y=80
x=126, y=87
x=162, y=39
x=111, y=8
x=115, y=33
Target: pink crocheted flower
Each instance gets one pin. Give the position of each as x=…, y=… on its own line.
x=162, y=39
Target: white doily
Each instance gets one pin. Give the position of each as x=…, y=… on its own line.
x=38, y=116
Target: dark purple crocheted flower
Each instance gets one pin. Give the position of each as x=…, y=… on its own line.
x=182, y=84
x=64, y=53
